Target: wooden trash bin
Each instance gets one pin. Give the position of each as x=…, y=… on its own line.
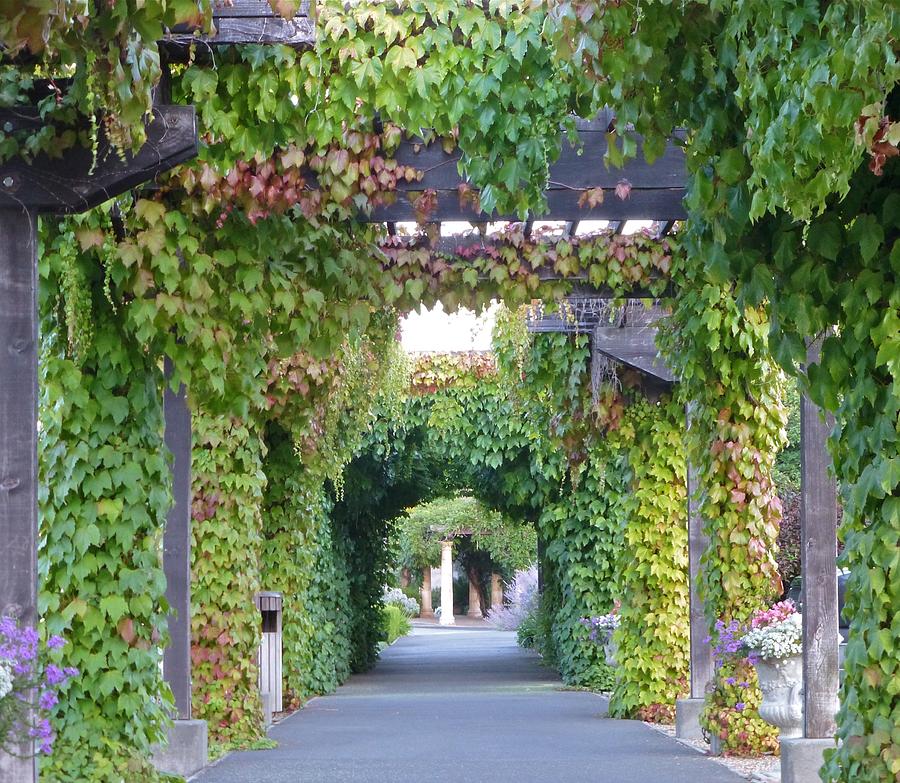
x=269, y=655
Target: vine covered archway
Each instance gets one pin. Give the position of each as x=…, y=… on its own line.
x=266, y=273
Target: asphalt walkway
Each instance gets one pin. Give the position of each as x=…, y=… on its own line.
x=463, y=704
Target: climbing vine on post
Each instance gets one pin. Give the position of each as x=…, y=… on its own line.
x=652, y=564
x=735, y=395
x=228, y=483
x=105, y=493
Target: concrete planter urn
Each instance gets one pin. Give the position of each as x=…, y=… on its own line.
x=781, y=683
x=611, y=650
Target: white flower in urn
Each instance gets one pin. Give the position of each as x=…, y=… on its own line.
x=601, y=627
x=781, y=639
x=773, y=645
x=6, y=679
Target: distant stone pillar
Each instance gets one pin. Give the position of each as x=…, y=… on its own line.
x=474, y=601
x=496, y=591
x=447, y=583
x=425, y=607
x=404, y=578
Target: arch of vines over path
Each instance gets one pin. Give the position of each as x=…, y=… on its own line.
x=202, y=212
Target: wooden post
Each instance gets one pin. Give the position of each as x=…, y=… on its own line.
x=818, y=552
x=701, y=651
x=177, y=549
x=688, y=711
x=18, y=436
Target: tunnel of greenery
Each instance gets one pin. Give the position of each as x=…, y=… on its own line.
x=251, y=271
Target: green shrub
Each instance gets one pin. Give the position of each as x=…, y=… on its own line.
x=536, y=631
x=395, y=623
x=527, y=630
x=544, y=640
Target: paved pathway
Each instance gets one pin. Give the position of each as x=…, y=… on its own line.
x=463, y=704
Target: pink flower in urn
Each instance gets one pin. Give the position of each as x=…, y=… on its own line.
x=778, y=612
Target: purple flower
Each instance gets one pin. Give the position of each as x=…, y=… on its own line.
x=55, y=675
x=25, y=656
x=731, y=680
x=48, y=700
x=745, y=684
x=44, y=734
x=740, y=706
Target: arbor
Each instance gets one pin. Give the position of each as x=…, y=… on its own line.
x=256, y=270
x=487, y=541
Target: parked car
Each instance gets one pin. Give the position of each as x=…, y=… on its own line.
x=795, y=594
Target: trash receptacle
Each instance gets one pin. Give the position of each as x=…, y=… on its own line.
x=269, y=656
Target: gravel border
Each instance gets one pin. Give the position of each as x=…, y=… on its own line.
x=761, y=769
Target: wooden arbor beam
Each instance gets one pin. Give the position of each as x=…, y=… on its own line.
x=702, y=668
x=244, y=22
x=633, y=343
x=78, y=181
x=657, y=190
x=469, y=251
x=634, y=346
x=18, y=437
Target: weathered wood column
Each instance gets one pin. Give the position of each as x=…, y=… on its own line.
x=801, y=759
x=177, y=549
x=818, y=553
x=425, y=607
x=447, y=583
x=698, y=541
x=687, y=711
x=18, y=435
